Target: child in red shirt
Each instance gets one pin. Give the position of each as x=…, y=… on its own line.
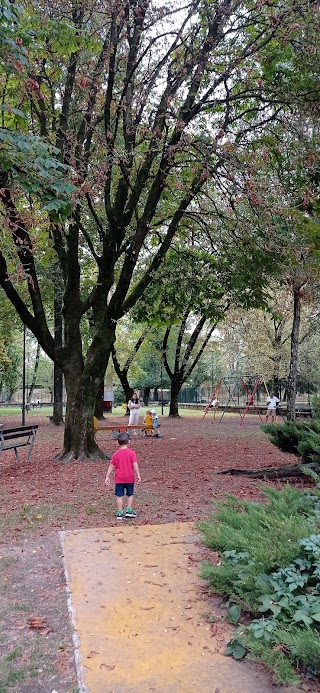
x=124, y=464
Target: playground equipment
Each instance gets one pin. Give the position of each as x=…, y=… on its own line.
x=231, y=385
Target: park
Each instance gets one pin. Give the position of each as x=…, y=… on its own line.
x=159, y=346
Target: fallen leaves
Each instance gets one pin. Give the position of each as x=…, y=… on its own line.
x=38, y=623
x=66, y=490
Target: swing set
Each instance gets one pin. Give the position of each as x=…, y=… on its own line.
x=232, y=384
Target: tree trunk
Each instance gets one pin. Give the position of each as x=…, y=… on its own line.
x=34, y=375
x=122, y=374
x=82, y=384
x=98, y=410
x=57, y=416
x=174, y=393
x=146, y=395
x=285, y=471
x=79, y=440
x=293, y=369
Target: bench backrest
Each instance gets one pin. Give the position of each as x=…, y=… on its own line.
x=17, y=432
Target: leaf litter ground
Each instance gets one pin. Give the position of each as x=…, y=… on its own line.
x=179, y=483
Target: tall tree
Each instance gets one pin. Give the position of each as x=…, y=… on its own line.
x=122, y=370
x=187, y=353
x=142, y=104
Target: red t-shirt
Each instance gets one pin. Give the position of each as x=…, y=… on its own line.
x=123, y=461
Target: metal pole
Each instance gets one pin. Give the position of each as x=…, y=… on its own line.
x=161, y=384
x=24, y=378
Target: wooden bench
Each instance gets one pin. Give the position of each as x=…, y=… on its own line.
x=121, y=427
x=18, y=437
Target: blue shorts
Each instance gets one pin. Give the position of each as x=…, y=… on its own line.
x=121, y=488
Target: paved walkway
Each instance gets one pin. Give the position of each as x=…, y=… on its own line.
x=139, y=616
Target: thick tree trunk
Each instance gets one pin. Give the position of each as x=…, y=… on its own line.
x=174, y=393
x=293, y=369
x=79, y=440
x=285, y=471
x=82, y=384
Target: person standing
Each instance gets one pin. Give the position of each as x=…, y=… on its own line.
x=125, y=466
x=134, y=407
x=272, y=403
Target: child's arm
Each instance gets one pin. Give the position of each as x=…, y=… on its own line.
x=111, y=469
x=137, y=471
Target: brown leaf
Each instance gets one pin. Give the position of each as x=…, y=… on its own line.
x=91, y=654
x=46, y=631
x=37, y=622
x=214, y=629
x=109, y=667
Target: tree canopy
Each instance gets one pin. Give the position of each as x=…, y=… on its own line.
x=127, y=113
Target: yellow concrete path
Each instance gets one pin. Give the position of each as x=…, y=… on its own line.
x=139, y=616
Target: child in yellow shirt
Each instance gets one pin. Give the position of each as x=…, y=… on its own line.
x=148, y=423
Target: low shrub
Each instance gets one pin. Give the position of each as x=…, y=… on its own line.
x=270, y=569
x=301, y=438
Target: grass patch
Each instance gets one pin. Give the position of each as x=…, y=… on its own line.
x=21, y=607
x=270, y=570
x=13, y=654
x=30, y=516
x=90, y=509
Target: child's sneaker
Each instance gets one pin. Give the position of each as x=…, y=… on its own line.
x=130, y=513
x=120, y=515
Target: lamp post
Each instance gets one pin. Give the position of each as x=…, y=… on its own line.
x=24, y=378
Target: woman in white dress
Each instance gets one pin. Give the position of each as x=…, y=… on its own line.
x=134, y=407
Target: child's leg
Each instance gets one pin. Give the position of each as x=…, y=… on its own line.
x=119, y=493
x=130, y=512
x=119, y=502
x=129, y=502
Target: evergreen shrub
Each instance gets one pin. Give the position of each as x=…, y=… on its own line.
x=270, y=568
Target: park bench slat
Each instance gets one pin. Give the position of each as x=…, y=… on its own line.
x=18, y=434
x=22, y=430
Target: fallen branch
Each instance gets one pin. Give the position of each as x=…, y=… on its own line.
x=287, y=470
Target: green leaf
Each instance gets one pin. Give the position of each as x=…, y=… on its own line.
x=234, y=614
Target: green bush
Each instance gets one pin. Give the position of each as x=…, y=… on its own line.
x=270, y=567
x=301, y=438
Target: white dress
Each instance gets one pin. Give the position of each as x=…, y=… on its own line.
x=134, y=413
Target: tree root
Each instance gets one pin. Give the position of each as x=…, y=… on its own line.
x=287, y=470
x=96, y=456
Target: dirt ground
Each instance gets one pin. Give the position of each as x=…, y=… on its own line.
x=179, y=483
